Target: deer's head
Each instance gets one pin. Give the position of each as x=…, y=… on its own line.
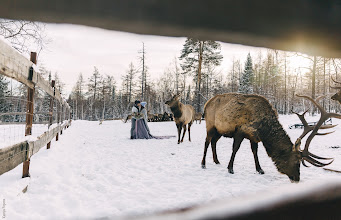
x=173, y=100
x=298, y=156
x=336, y=96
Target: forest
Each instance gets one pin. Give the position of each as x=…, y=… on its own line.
x=194, y=74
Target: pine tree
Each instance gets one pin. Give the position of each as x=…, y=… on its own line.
x=196, y=54
x=128, y=83
x=93, y=90
x=246, y=79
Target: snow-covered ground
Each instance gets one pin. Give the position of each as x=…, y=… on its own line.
x=95, y=171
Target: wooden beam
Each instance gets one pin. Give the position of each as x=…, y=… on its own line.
x=46, y=138
x=16, y=66
x=11, y=157
x=29, y=115
x=311, y=27
x=321, y=201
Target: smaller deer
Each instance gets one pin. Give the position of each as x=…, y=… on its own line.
x=336, y=96
x=127, y=118
x=150, y=117
x=198, y=117
x=165, y=117
x=183, y=115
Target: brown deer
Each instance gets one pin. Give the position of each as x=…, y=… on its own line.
x=197, y=117
x=183, y=116
x=150, y=116
x=336, y=96
x=127, y=118
x=241, y=116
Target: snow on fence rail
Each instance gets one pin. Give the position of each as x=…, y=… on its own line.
x=16, y=66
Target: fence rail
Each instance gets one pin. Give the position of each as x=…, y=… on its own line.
x=14, y=65
x=12, y=156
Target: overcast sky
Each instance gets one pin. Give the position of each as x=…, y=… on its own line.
x=77, y=49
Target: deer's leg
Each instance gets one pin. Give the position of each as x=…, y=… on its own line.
x=179, y=132
x=183, y=135
x=214, y=141
x=254, y=148
x=237, y=140
x=207, y=143
x=189, y=131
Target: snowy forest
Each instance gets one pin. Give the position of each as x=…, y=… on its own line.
x=196, y=76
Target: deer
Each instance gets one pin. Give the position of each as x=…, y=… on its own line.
x=336, y=96
x=165, y=117
x=183, y=116
x=197, y=117
x=240, y=116
x=127, y=118
x=150, y=116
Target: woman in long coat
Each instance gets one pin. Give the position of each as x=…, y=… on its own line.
x=139, y=126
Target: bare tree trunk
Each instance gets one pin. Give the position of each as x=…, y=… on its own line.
x=313, y=79
x=324, y=80
x=285, y=83
x=143, y=74
x=201, y=44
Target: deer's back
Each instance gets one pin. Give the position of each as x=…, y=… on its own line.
x=230, y=112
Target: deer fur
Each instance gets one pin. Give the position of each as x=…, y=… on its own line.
x=252, y=117
x=183, y=116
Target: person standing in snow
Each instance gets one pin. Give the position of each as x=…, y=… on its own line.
x=145, y=115
x=139, y=127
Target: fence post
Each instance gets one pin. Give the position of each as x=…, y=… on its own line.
x=29, y=117
x=58, y=119
x=51, y=109
x=62, y=119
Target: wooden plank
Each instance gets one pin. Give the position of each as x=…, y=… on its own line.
x=29, y=115
x=16, y=66
x=11, y=157
x=45, y=138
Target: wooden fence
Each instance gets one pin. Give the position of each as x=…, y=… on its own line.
x=16, y=66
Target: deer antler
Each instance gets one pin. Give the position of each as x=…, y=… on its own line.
x=306, y=155
x=308, y=128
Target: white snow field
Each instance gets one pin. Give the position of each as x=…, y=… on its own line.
x=96, y=171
